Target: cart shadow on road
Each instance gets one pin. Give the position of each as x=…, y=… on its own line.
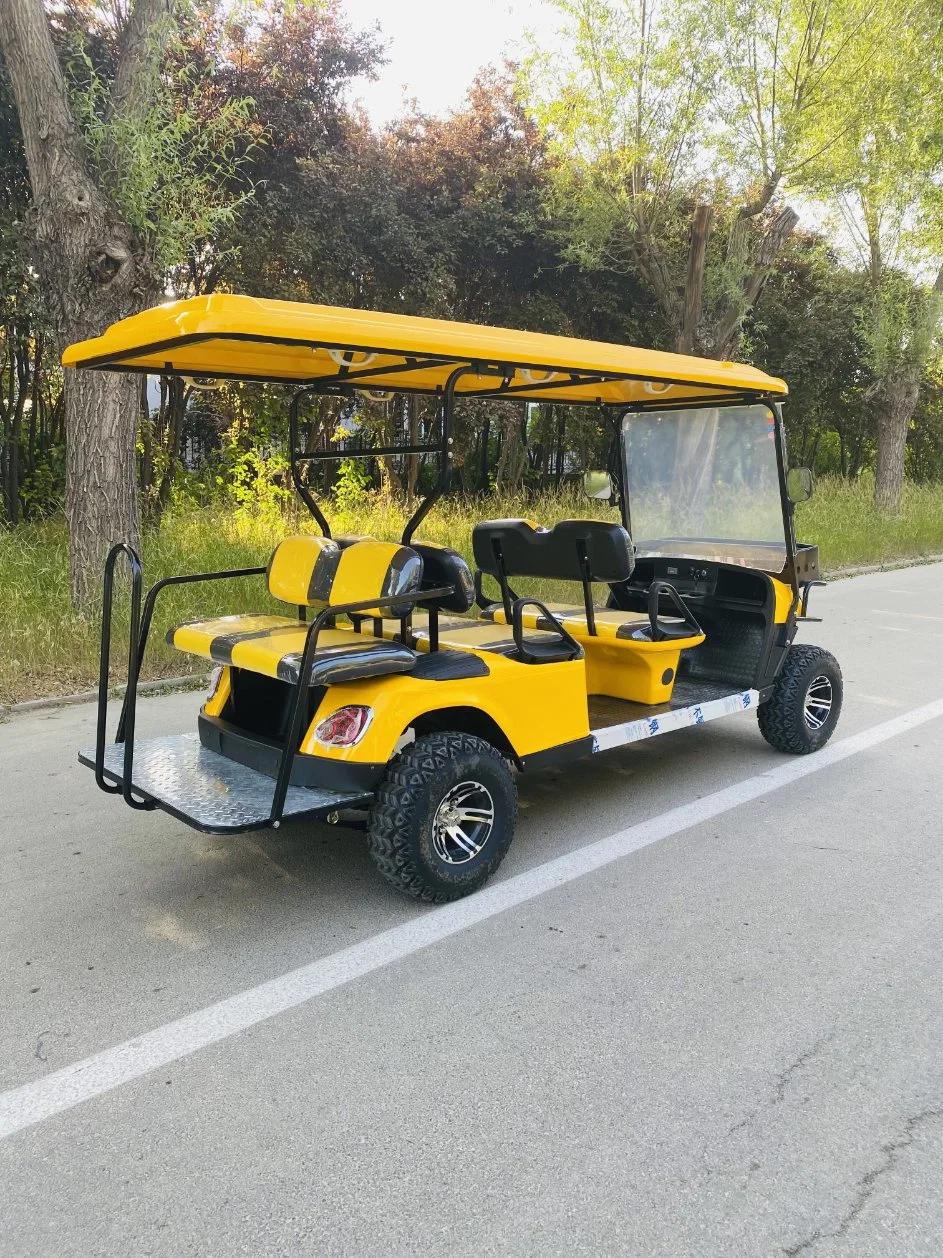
x=309, y=878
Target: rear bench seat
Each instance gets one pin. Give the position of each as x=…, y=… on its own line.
x=314, y=572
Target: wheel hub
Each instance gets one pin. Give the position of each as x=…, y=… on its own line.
x=463, y=823
x=818, y=702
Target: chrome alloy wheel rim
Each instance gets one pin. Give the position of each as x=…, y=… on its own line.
x=818, y=702
x=463, y=823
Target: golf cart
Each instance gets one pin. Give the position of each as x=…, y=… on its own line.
x=392, y=678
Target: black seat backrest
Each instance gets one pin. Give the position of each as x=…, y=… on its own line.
x=573, y=550
x=442, y=566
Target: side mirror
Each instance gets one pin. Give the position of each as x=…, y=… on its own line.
x=598, y=484
x=799, y=484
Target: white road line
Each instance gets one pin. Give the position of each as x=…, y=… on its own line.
x=33, y=1102
x=882, y=611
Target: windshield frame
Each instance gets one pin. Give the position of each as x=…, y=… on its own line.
x=788, y=569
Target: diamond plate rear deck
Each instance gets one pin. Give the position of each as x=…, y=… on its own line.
x=208, y=790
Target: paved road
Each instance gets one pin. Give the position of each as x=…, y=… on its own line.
x=725, y=1043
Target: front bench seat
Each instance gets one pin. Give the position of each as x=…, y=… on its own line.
x=609, y=623
x=573, y=550
x=443, y=566
x=314, y=572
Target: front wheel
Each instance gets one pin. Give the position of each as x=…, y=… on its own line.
x=444, y=817
x=802, y=712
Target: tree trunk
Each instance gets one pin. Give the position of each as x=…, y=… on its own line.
x=688, y=334
x=484, y=456
x=101, y=503
x=729, y=327
x=92, y=268
x=177, y=397
x=895, y=401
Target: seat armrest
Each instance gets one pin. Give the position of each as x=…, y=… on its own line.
x=574, y=650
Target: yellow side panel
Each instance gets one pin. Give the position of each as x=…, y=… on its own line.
x=220, y=696
x=641, y=672
x=535, y=706
x=783, y=596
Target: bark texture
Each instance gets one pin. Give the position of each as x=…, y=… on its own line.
x=93, y=269
x=895, y=396
x=895, y=400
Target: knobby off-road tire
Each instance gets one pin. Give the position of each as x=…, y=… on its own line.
x=413, y=821
x=803, y=710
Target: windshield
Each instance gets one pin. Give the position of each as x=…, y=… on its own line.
x=705, y=483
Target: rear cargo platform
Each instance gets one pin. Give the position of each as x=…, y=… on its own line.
x=209, y=791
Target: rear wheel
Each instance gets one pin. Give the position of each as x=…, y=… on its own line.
x=801, y=714
x=444, y=817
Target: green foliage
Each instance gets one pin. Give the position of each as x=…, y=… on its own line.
x=561, y=202
x=170, y=166
x=352, y=486
x=257, y=485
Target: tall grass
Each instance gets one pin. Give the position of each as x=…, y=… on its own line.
x=46, y=648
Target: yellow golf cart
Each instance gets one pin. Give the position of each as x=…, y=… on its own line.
x=400, y=682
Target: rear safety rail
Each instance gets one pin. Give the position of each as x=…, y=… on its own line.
x=128, y=711
x=137, y=641
x=139, y=632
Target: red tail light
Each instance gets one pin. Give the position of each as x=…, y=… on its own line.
x=344, y=727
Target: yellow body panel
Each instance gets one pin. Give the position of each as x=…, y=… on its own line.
x=783, y=601
x=627, y=669
x=253, y=338
x=220, y=696
x=536, y=707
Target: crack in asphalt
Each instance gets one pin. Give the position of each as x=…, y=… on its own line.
x=785, y=1076
x=866, y=1185
x=783, y=1080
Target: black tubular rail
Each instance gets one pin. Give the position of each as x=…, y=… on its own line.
x=108, y=589
x=443, y=447
x=127, y=708
x=661, y=632
x=137, y=642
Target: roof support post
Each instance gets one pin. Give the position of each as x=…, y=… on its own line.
x=445, y=466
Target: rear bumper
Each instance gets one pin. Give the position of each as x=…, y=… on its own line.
x=263, y=754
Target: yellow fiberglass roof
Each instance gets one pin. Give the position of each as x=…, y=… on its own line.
x=250, y=338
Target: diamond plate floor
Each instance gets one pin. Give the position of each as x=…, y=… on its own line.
x=208, y=790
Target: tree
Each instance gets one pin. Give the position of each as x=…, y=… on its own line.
x=673, y=118
x=810, y=332
x=883, y=176
x=119, y=180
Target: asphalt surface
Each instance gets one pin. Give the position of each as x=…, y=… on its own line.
x=727, y=1043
